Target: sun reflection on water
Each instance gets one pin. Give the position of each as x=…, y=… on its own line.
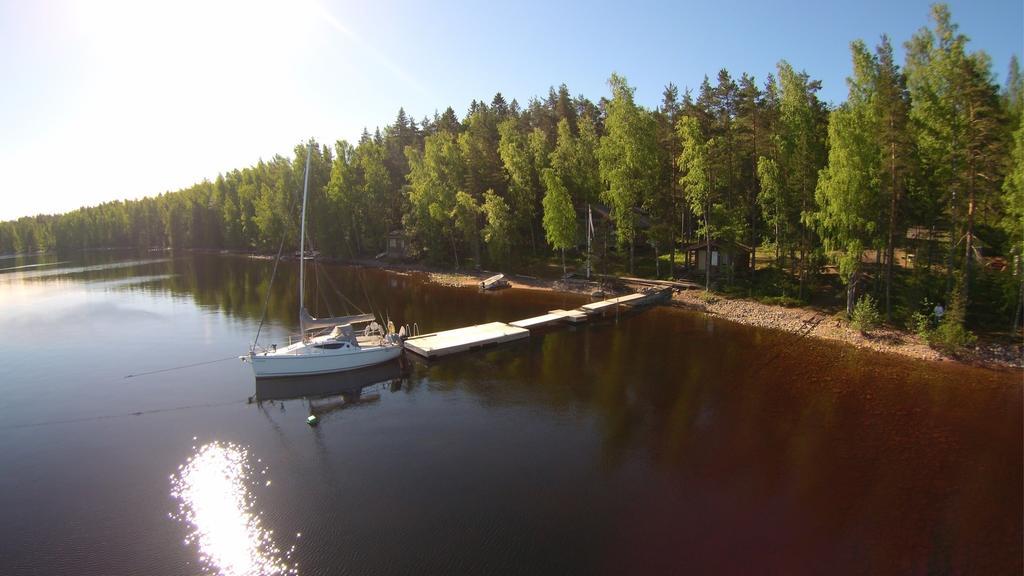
x=214, y=500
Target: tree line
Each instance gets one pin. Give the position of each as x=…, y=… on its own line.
x=935, y=145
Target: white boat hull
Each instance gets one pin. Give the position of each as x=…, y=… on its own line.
x=281, y=363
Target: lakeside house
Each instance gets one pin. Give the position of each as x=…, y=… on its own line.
x=725, y=256
x=397, y=245
x=929, y=246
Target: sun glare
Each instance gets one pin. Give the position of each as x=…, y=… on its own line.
x=214, y=500
x=163, y=94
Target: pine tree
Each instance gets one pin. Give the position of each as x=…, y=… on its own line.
x=671, y=201
x=564, y=108
x=750, y=136
x=891, y=107
x=801, y=153
x=696, y=180
x=957, y=123
x=1013, y=93
x=448, y=122
x=1013, y=202
x=499, y=107
x=479, y=145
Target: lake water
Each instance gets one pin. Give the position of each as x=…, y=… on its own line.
x=662, y=442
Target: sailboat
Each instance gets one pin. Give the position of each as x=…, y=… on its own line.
x=325, y=345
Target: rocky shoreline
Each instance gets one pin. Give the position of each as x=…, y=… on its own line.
x=818, y=324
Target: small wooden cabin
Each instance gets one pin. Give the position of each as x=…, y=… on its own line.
x=724, y=255
x=397, y=245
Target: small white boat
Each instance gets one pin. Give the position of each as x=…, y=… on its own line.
x=325, y=345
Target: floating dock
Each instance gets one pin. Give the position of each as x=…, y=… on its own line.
x=574, y=316
x=599, y=307
x=464, y=339
x=551, y=317
x=475, y=337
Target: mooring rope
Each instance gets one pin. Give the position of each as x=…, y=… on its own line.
x=119, y=415
x=181, y=367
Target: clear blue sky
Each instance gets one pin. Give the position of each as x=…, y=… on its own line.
x=108, y=99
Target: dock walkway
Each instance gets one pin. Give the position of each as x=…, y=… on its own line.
x=550, y=318
x=598, y=307
x=482, y=335
x=463, y=339
x=574, y=316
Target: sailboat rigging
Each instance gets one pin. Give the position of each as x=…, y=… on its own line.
x=590, y=236
x=326, y=344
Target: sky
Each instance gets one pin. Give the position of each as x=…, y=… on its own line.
x=115, y=99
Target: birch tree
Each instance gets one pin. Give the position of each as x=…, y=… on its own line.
x=559, y=215
x=628, y=157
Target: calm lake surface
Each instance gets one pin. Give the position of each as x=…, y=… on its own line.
x=665, y=442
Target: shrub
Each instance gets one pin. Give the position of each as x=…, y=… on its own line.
x=951, y=336
x=708, y=297
x=865, y=315
x=773, y=282
x=784, y=301
x=921, y=324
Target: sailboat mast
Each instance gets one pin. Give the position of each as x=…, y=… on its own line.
x=302, y=237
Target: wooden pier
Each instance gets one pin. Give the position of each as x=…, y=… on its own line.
x=493, y=333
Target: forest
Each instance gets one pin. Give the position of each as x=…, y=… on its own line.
x=909, y=193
